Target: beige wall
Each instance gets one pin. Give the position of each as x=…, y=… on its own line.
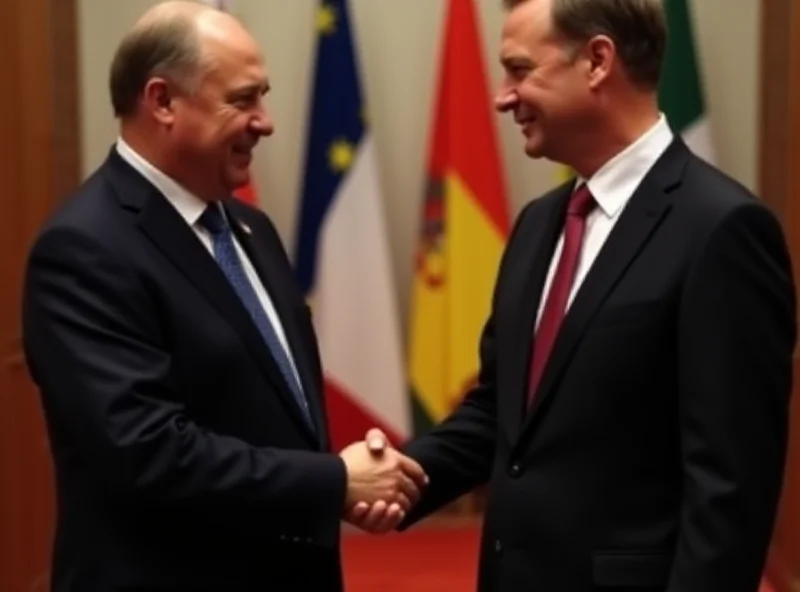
x=398, y=48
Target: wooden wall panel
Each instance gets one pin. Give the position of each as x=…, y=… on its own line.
x=38, y=164
x=779, y=172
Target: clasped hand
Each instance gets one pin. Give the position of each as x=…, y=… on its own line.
x=382, y=483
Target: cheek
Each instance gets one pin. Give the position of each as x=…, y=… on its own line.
x=191, y=130
x=551, y=98
x=530, y=97
x=231, y=123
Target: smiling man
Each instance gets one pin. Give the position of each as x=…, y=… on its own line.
x=631, y=413
x=175, y=354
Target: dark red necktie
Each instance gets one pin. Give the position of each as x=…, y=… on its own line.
x=580, y=204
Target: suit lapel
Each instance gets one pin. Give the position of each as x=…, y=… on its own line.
x=163, y=225
x=544, y=232
x=642, y=216
x=268, y=270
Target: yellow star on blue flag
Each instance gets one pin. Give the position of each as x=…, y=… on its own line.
x=337, y=123
x=341, y=155
x=326, y=19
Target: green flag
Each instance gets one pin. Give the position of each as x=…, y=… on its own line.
x=680, y=94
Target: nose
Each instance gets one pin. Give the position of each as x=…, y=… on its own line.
x=262, y=123
x=505, y=99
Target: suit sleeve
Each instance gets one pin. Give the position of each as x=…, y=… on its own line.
x=736, y=337
x=457, y=455
x=94, y=345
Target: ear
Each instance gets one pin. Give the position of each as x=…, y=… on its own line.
x=600, y=54
x=158, y=98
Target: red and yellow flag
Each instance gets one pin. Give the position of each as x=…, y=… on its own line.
x=465, y=224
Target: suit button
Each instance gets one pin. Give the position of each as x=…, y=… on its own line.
x=516, y=470
x=498, y=547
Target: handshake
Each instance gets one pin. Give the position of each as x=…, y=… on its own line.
x=382, y=484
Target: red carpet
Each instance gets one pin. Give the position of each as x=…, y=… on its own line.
x=429, y=558
x=426, y=559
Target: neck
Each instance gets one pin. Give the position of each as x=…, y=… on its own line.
x=143, y=145
x=150, y=147
x=620, y=128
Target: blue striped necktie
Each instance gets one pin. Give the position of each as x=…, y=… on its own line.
x=231, y=265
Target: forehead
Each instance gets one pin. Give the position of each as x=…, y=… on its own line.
x=526, y=26
x=234, y=59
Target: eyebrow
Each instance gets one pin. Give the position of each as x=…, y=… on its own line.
x=249, y=89
x=512, y=61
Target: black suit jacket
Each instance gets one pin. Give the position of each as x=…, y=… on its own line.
x=653, y=456
x=182, y=461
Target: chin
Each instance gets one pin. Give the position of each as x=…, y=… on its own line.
x=534, y=145
x=238, y=178
x=534, y=150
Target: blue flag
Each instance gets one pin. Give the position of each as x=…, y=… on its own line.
x=342, y=254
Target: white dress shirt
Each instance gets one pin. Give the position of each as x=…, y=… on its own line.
x=190, y=208
x=612, y=186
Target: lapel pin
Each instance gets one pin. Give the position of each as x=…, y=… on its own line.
x=245, y=228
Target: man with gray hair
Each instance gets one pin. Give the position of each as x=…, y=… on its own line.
x=631, y=413
x=174, y=353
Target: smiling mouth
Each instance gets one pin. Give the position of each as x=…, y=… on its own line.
x=524, y=124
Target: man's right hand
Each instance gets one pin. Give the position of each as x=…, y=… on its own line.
x=386, y=476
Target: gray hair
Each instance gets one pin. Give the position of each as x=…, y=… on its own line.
x=168, y=48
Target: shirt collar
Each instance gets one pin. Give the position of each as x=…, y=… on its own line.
x=614, y=183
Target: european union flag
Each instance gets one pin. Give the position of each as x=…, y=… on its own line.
x=343, y=258
x=335, y=130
